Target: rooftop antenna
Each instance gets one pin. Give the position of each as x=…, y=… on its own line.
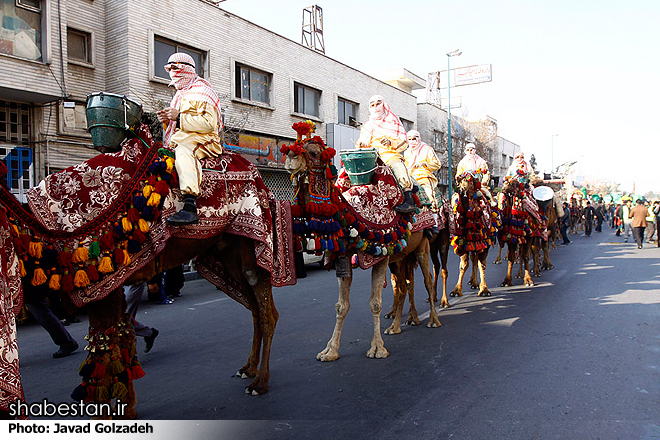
x=312, y=28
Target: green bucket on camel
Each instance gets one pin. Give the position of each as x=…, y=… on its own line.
x=109, y=116
x=359, y=164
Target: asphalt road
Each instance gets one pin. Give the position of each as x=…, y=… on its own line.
x=575, y=357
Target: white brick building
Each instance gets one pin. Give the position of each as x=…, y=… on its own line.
x=266, y=82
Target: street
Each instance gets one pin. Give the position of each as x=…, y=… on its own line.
x=576, y=356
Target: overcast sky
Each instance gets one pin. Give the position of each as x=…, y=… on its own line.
x=585, y=70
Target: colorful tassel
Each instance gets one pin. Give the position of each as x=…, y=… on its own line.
x=39, y=277
x=35, y=249
x=94, y=249
x=54, y=283
x=81, y=279
x=126, y=224
x=93, y=273
x=66, y=283
x=154, y=199
x=21, y=268
x=80, y=255
x=106, y=265
x=143, y=225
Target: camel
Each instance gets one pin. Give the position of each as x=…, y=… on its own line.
x=231, y=264
x=541, y=245
x=515, y=231
x=308, y=163
x=468, y=201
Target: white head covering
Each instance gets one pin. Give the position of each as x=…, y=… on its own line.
x=189, y=86
x=382, y=117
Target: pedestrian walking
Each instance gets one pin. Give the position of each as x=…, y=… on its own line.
x=133, y=296
x=589, y=214
x=565, y=224
x=638, y=221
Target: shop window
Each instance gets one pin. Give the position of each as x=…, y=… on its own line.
x=306, y=100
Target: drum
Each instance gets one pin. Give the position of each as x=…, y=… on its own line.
x=109, y=116
x=543, y=196
x=359, y=164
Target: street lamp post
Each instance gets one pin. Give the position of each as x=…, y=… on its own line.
x=552, y=155
x=453, y=53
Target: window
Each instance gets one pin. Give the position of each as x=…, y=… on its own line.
x=306, y=100
x=163, y=48
x=408, y=125
x=15, y=123
x=346, y=112
x=253, y=84
x=438, y=141
x=20, y=29
x=79, y=46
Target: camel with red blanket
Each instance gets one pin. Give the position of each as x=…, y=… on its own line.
x=325, y=220
x=101, y=224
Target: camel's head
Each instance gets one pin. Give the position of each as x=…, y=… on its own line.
x=307, y=154
x=467, y=183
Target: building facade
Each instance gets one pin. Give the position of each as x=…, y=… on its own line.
x=54, y=53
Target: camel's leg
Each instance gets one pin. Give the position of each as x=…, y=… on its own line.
x=474, y=283
x=424, y=264
x=331, y=351
x=444, y=251
x=266, y=320
x=547, y=264
x=524, y=254
x=511, y=255
x=378, y=273
x=436, y=267
x=413, y=316
x=462, y=268
x=483, y=288
x=400, y=289
x=498, y=259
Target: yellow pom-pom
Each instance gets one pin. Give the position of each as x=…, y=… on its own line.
x=144, y=226
x=127, y=258
x=154, y=199
x=126, y=224
x=21, y=269
x=105, y=266
x=170, y=164
x=80, y=255
x=81, y=279
x=147, y=190
x=35, y=249
x=15, y=228
x=39, y=277
x=54, y=283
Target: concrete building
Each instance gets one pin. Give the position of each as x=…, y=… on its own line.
x=53, y=53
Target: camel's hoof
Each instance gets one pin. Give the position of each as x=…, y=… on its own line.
x=485, y=293
x=389, y=315
x=445, y=305
x=506, y=284
x=327, y=356
x=497, y=262
x=377, y=353
x=434, y=324
x=392, y=331
x=413, y=321
x=474, y=286
x=454, y=294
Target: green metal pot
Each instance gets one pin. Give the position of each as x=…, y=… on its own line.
x=109, y=117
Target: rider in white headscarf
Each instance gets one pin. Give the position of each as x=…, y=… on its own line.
x=422, y=163
x=193, y=129
x=385, y=132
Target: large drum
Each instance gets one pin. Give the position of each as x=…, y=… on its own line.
x=359, y=164
x=109, y=117
x=543, y=196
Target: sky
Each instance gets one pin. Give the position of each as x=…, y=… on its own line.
x=571, y=80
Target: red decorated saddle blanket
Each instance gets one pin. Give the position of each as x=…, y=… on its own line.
x=373, y=206
x=92, y=197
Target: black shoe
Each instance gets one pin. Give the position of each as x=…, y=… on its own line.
x=183, y=217
x=166, y=301
x=149, y=340
x=408, y=205
x=63, y=352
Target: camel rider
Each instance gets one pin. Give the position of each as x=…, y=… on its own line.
x=422, y=162
x=193, y=130
x=385, y=132
x=474, y=164
x=519, y=170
